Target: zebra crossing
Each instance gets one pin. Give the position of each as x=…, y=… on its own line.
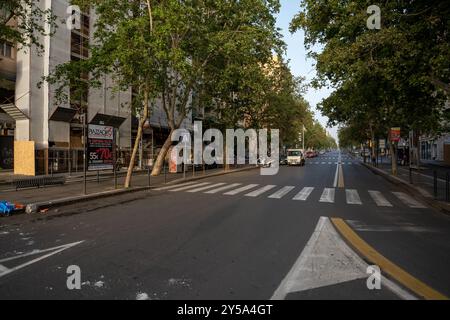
x=349, y=163
x=327, y=195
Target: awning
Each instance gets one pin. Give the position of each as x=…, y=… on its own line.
x=63, y=114
x=13, y=111
x=108, y=120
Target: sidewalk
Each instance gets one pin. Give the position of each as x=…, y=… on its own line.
x=420, y=183
x=75, y=189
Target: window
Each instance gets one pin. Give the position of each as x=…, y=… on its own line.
x=6, y=50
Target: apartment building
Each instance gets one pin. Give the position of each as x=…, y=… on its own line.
x=48, y=135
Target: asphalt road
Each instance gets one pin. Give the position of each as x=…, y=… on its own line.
x=214, y=240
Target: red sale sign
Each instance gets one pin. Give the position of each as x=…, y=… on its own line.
x=395, y=134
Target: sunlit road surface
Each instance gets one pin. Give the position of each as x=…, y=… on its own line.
x=307, y=233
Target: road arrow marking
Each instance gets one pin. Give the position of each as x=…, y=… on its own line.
x=55, y=250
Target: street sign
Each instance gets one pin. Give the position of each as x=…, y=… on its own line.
x=100, y=148
x=395, y=135
x=382, y=144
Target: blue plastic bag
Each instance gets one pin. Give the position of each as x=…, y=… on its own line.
x=6, y=208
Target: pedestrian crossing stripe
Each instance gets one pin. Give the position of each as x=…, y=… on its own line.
x=328, y=195
x=240, y=190
x=282, y=192
x=304, y=194
x=224, y=188
x=260, y=191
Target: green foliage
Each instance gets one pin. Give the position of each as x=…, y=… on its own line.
x=23, y=22
x=396, y=76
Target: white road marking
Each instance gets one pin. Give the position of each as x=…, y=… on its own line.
x=282, y=192
x=410, y=202
x=353, y=197
x=4, y=271
x=327, y=260
x=304, y=194
x=189, y=187
x=336, y=176
x=230, y=186
x=240, y=190
x=206, y=188
x=175, y=186
x=379, y=199
x=260, y=191
x=328, y=195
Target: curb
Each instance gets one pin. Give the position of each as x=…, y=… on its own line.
x=35, y=207
x=413, y=190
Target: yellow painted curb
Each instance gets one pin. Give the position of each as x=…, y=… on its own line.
x=397, y=273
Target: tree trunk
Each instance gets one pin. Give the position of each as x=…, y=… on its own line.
x=137, y=141
x=159, y=163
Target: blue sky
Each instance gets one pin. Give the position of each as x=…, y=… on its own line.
x=296, y=53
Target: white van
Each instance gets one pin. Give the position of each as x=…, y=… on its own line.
x=295, y=157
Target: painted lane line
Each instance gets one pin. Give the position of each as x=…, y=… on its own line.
x=304, y=194
x=328, y=195
x=240, y=190
x=379, y=199
x=230, y=186
x=260, y=191
x=409, y=201
x=388, y=267
x=53, y=251
x=189, y=187
x=206, y=188
x=282, y=192
x=353, y=197
x=175, y=186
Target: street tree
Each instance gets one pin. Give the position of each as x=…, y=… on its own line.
x=382, y=78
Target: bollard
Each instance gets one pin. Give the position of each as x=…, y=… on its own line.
x=435, y=184
x=165, y=173
x=193, y=170
x=184, y=171
x=410, y=176
x=98, y=176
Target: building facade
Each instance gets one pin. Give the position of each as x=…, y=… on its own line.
x=47, y=135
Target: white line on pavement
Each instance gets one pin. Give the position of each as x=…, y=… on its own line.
x=175, y=186
x=353, y=197
x=304, y=194
x=53, y=250
x=230, y=186
x=206, y=188
x=260, y=191
x=379, y=199
x=328, y=195
x=239, y=190
x=410, y=202
x=282, y=192
x=189, y=187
